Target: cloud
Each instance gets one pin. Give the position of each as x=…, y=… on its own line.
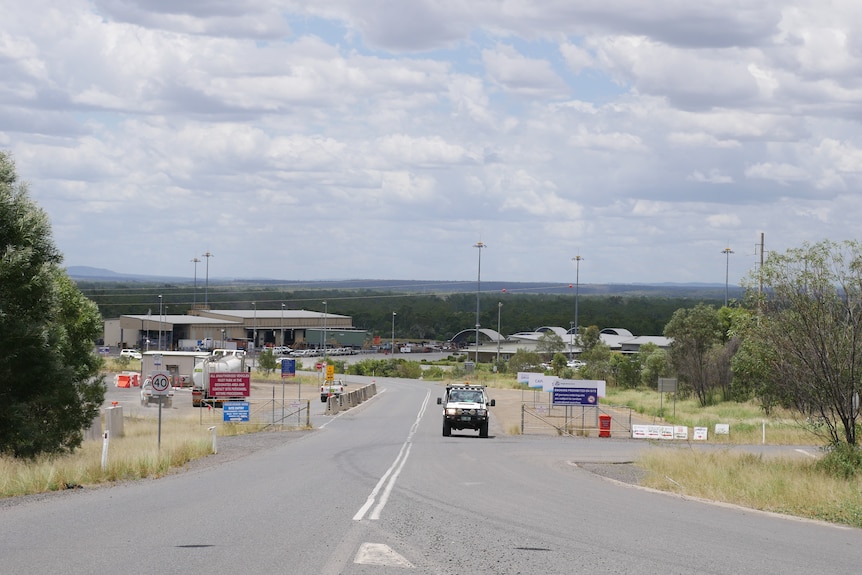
x=644, y=135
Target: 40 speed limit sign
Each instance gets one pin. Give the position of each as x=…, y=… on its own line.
x=160, y=381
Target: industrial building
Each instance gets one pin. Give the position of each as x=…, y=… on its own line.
x=243, y=328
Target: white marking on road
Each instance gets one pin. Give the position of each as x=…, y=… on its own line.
x=392, y=473
x=804, y=452
x=380, y=554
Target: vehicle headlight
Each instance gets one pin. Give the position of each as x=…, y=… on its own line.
x=451, y=411
x=481, y=412
x=471, y=411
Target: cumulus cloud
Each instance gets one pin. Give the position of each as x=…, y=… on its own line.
x=626, y=129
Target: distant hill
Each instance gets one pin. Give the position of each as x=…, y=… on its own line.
x=85, y=274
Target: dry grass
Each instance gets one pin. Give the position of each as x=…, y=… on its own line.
x=791, y=486
x=746, y=420
x=136, y=455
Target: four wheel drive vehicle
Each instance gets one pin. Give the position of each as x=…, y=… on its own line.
x=334, y=387
x=131, y=353
x=147, y=396
x=466, y=407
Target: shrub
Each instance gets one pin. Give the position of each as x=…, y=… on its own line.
x=842, y=460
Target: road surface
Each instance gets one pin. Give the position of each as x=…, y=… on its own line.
x=378, y=490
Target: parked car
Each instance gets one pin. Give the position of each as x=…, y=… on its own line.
x=131, y=353
x=576, y=363
x=147, y=396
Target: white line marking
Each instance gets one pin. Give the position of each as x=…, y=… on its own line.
x=381, y=555
x=392, y=473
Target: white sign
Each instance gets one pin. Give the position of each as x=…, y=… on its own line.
x=157, y=359
x=700, y=433
x=160, y=381
x=722, y=429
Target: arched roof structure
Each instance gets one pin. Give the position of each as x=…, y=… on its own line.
x=465, y=334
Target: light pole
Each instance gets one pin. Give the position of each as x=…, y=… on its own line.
x=325, y=314
x=478, y=246
x=726, y=252
x=282, y=325
x=195, y=261
x=499, y=309
x=393, y=332
x=207, y=255
x=160, y=322
x=577, y=259
x=254, y=328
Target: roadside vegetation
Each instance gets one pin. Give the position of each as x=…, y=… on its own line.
x=804, y=487
x=135, y=455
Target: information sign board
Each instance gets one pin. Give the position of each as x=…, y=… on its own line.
x=288, y=368
x=575, y=396
x=230, y=384
x=236, y=411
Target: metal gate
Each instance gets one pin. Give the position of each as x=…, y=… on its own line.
x=573, y=420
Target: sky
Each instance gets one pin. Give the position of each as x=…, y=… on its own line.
x=384, y=139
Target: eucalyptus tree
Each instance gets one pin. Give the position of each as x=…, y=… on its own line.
x=49, y=384
x=808, y=335
x=695, y=332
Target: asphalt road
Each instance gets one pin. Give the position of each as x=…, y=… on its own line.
x=378, y=490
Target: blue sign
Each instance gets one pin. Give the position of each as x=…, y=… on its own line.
x=236, y=411
x=575, y=396
x=288, y=368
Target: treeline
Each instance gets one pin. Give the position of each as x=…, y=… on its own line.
x=431, y=316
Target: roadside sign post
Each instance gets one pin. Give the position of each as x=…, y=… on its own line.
x=666, y=385
x=160, y=382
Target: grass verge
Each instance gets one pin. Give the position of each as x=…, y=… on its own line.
x=136, y=455
x=791, y=486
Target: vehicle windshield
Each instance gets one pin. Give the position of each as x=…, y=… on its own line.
x=466, y=396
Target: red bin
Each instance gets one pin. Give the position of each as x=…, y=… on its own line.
x=604, y=426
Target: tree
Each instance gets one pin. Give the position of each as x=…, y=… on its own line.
x=695, y=332
x=523, y=360
x=550, y=343
x=49, y=384
x=266, y=361
x=654, y=364
x=807, y=339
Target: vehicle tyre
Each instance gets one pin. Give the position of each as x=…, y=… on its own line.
x=323, y=398
x=483, y=429
x=447, y=429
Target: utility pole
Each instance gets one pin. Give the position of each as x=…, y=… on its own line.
x=207, y=255
x=479, y=246
x=196, y=261
x=726, y=252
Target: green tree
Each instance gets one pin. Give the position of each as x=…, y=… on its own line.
x=550, y=343
x=266, y=361
x=626, y=369
x=50, y=388
x=590, y=338
x=598, y=362
x=655, y=363
x=809, y=332
x=523, y=360
x=695, y=332
x=558, y=364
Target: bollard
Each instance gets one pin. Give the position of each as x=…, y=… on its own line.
x=215, y=446
x=105, y=450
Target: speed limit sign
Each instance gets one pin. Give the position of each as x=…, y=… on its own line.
x=160, y=382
